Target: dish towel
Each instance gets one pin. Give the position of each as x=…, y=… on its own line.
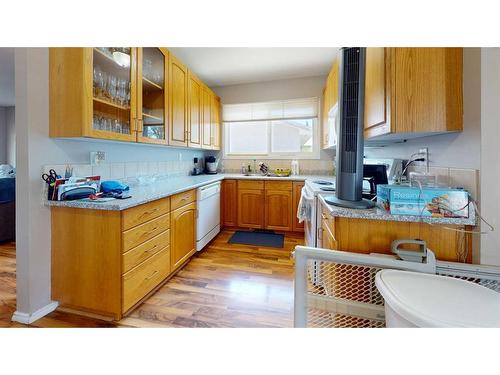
x=302, y=209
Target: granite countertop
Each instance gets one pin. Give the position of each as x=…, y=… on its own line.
x=163, y=188
x=379, y=214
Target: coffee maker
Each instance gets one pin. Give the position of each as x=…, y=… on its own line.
x=197, y=168
x=211, y=165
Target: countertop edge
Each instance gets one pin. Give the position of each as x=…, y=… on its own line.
x=373, y=214
x=115, y=206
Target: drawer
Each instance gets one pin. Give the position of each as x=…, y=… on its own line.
x=140, y=234
x=145, y=212
x=181, y=199
x=140, y=253
x=139, y=281
x=251, y=184
x=279, y=185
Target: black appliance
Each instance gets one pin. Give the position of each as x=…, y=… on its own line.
x=373, y=175
x=350, y=145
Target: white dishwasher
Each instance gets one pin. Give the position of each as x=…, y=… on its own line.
x=208, y=220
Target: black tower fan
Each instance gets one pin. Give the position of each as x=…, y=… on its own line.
x=350, y=145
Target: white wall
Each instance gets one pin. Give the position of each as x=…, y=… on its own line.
x=490, y=152
x=10, y=135
x=458, y=150
x=3, y=137
x=272, y=90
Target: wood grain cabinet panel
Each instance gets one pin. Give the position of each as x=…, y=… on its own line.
x=183, y=234
x=278, y=210
x=413, y=92
x=206, y=99
x=366, y=236
x=181, y=199
x=229, y=203
x=195, y=111
x=141, y=233
x=178, y=103
x=250, y=208
x=145, y=212
x=142, y=252
x=297, y=191
x=216, y=123
x=376, y=91
x=139, y=281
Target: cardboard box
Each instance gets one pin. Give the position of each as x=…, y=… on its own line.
x=435, y=202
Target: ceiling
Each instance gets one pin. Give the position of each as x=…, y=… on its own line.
x=231, y=66
x=7, y=91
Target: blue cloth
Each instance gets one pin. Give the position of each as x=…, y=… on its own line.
x=7, y=190
x=113, y=187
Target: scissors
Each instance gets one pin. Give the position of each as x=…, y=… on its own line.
x=51, y=177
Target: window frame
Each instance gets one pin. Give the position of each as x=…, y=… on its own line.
x=315, y=154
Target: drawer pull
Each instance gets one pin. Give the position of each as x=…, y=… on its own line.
x=150, y=212
x=151, y=276
x=149, y=250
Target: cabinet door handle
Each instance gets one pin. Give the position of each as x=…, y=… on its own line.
x=151, y=276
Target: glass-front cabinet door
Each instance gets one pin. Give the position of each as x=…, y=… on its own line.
x=152, y=95
x=114, y=114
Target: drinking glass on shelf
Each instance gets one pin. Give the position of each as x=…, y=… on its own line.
x=112, y=80
x=117, y=128
x=125, y=128
x=97, y=78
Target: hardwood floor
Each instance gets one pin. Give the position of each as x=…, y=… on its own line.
x=226, y=285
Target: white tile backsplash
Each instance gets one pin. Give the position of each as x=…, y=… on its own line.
x=128, y=170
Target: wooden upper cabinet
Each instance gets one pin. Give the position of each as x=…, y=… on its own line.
x=330, y=99
x=376, y=98
x=178, y=103
x=206, y=140
x=195, y=111
x=413, y=90
x=216, y=123
x=183, y=234
x=229, y=203
x=93, y=93
x=152, y=95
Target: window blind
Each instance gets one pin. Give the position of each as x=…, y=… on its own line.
x=275, y=110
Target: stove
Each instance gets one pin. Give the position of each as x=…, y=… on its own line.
x=323, y=186
x=322, y=182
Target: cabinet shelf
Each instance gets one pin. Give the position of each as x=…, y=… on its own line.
x=111, y=104
x=148, y=116
x=150, y=85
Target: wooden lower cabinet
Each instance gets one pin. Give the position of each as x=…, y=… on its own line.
x=183, y=223
x=139, y=281
x=260, y=204
x=278, y=206
x=229, y=203
x=376, y=236
x=251, y=208
x=107, y=262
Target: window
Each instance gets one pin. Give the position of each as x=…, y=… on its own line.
x=275, y=130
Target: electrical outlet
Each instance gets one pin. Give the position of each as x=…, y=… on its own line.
x=97, y=157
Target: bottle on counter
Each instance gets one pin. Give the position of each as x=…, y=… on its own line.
x=295, y=167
